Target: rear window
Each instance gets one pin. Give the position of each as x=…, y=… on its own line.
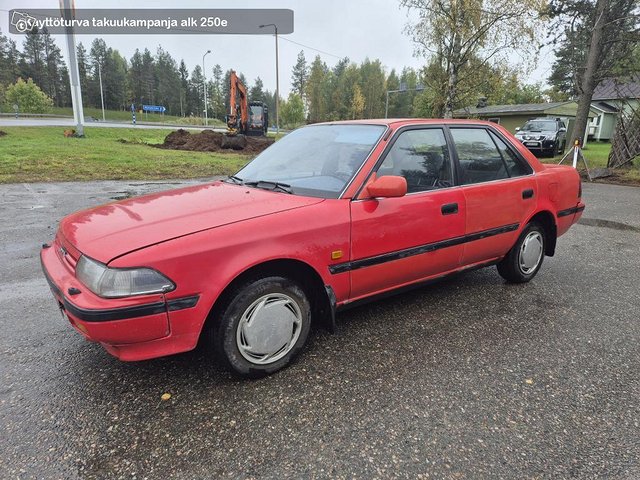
x=484, y=157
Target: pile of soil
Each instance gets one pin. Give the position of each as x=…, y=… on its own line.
x=210, y=141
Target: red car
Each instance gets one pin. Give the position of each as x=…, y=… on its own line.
x=330, y=215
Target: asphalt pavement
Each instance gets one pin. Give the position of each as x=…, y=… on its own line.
x=467, y=378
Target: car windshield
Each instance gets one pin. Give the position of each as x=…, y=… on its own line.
x=317, y=160
x=539, y=126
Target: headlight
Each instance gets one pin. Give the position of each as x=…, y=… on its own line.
x=120, y=282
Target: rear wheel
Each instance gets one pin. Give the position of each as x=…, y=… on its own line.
x=525, y=258
x=263, y=326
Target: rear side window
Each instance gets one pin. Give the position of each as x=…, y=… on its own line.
x=515, y=166
x=480, y=160
x=422, y=158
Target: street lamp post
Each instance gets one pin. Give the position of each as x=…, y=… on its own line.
x=101, y=92
x=204, y=87
x=277, y=76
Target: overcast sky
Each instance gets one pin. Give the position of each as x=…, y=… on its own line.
x=330, y=28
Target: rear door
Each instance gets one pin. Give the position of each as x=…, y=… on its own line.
x=499, y=189
x=397, y=241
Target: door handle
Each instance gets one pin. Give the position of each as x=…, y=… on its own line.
x=449, y=208
x=528, y=193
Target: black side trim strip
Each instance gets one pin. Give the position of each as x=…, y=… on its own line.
x=570, y=211
x=105, y=315
x=420, y=249
x=182, y=303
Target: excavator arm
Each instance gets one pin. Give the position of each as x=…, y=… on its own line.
x=238, y=116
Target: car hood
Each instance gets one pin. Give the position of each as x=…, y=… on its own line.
x=114, y=229
x=546, y=133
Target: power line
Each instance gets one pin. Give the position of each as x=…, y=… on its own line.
x=311, y=48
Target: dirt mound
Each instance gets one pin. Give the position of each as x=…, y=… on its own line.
x=210, y=141
x=2, y=134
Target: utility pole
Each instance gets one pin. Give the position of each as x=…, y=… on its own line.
x=101, y=93
x=68, y=12
x=277, y=76
x=204, y=87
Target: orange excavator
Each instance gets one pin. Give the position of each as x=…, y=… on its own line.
x=245, y=117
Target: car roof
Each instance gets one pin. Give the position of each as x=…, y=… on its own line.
x=399, y=122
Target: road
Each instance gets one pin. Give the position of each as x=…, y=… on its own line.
x=468, y=378
x=68, y=122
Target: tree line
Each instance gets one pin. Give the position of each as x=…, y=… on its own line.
x=474, y=51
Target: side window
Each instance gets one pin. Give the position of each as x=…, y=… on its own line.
x=480, y=160
x=515, y=166
x=422, y=157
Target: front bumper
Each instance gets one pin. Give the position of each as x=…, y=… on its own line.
x=539, y=145
x=133, y=328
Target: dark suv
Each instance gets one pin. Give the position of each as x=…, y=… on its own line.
x=543, y=136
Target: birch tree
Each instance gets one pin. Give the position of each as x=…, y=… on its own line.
x=457, y=31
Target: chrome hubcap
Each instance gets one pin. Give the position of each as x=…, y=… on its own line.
x=269, y=328
x=531, y=252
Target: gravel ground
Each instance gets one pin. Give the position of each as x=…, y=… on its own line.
x=468, y=378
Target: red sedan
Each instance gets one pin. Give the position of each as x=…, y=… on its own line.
x=330, y=215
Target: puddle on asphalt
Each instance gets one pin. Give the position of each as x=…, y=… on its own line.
x=596, y=222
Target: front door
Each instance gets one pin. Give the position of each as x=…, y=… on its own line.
x=398, y=241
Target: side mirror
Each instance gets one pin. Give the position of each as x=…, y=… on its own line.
x=562, y=130
x=388, y=186
x=517, y=129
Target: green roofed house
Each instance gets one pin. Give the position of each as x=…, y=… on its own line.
x=611, y=97
x=602, y=126
x=515, y=116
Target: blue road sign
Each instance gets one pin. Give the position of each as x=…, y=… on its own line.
x=153, y=108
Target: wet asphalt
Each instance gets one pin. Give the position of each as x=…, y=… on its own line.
x=468, y=378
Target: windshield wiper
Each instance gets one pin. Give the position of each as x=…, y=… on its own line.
x=271, y=185
x=234, y=179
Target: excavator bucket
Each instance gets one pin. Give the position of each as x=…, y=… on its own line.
x=235, y=142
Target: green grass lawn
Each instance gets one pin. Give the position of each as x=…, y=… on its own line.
x=42, y=154
x=597, y=154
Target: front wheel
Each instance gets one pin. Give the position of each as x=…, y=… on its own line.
x=263, y=326
x=525, y=258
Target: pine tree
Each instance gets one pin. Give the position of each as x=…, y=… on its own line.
x=7, y=65
x=135, y=79
x=32, y=58
x=53, y=83
x=196, y=94
x=217, y=99
x=299, y=75
x=83, y=70
x=185, y=106
x=256, y=93
x=316, y=90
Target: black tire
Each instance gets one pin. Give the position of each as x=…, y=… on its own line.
x=514, y=267
x=228, y=337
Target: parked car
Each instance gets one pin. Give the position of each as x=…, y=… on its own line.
x=544, y=136
x=330, y=215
